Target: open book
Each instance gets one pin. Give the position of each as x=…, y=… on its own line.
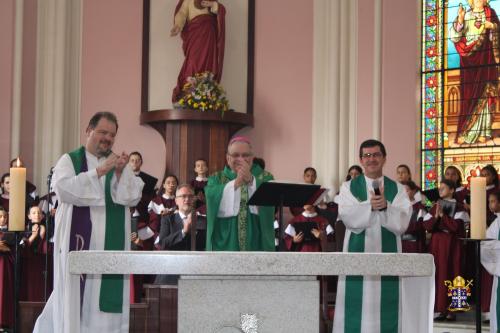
x=305, y=228
x=448, y=207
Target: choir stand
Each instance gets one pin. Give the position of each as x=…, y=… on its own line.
x=477, y=277
x=282, y=195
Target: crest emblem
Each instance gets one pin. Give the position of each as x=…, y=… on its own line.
x=458, y=291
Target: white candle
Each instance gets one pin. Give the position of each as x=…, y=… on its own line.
x=478, y=207
x=17, y=198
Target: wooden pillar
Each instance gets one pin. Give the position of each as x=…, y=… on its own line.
x=190, y=135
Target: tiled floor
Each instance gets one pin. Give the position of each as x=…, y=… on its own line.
x=465, y=324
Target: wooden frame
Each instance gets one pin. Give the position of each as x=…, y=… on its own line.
x=145, y=82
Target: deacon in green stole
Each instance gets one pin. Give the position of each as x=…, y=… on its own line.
x=376, y=211
x=95, y=189
x=233, y=225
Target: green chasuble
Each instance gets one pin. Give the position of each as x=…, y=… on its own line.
x=245, y=232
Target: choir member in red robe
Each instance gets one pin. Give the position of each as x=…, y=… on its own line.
x=202, y=28
x=198, y=184
x=461, y=193
x=6, y=272
x=403, y=173
x=5, y=185
x=161, y=205
x=300, y=241
x=309, y=177
x=33, y=258
x=413, y=240
x=445, y=221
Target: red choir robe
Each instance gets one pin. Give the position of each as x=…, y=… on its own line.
x=32, y=269
x=461, y=194
x=313, y=245
x=413, y=240
x=4, y=202
x=446, y=249
x=198, y=185
x=296, y=211
x=7, y=280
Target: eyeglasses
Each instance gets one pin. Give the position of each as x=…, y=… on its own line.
x=374, y=155
x=244, y=155
x=185, y=196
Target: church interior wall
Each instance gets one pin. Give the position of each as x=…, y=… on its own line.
x=6, y=60
x=400, y=84
x=111, y=74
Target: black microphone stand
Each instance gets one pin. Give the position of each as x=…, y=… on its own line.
x=48, y=221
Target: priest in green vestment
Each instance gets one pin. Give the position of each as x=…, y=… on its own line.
x=376, y=212
x=233, y=225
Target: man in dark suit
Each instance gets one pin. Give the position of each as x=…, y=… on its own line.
x=176, y=229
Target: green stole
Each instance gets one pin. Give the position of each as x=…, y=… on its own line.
x=389, y=300
x=111, y=292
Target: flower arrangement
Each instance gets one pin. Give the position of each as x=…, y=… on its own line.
x=202, y=92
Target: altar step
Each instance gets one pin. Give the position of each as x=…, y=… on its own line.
x=458, y=327
x=465, y=324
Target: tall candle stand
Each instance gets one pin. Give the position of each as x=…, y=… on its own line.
x=17, y=278
x=477, y=277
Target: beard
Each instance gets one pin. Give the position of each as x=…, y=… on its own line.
x=104, y=152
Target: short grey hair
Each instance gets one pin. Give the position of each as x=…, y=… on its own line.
x=184, y=185
x=235, y=141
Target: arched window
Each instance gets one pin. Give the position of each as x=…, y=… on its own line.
x=460, y=87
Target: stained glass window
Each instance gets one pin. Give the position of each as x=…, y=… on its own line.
x=460, y=85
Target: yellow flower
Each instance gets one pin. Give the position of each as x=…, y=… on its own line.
x=181, y=101
x=195, y=105
x=190, y=102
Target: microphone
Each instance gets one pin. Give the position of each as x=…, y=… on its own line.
x=51, y=173
x=376, y=190
x=376, y=187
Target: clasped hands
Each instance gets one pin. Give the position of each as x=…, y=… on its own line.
x=243, y=174
x=187, y=223
x=113, y=161
x=439, y=211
